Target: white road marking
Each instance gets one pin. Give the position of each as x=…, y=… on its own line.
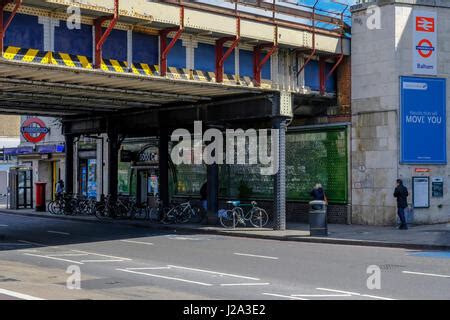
x=283, y=296
x=4, y=226
x=18, y=295
x=156, y=268
x=376, y=297
x=165, y=277
x=184, y=238
x=355, y=294
x=321, y=295
x=68, y=255
x=427, y=274
x=35, y=243
x=255, y=256
x=244, y=284
x=100, y=261
x=59, y=232
x=339, y=291
x=51, y=258
x=137, y=242
x=102, y=255
x=214, y=272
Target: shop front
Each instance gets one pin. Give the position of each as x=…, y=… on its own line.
x=139, y=169
x=87, y=169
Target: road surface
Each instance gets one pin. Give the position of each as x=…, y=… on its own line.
x=40, y=259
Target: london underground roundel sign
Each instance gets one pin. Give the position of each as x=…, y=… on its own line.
x=425, y=48
x=34, y=130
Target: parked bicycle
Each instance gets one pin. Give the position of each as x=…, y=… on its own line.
x=257, y=216
x=182, y=213
x=62, y=205
x=121, y=208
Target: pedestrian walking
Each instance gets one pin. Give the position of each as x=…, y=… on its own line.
x=401, y=193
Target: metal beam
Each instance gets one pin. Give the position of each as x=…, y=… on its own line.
x=220, y=56
x=259, y=63
x=100, y=37
x=4, y=27
x=164, y=47
x=103, y=90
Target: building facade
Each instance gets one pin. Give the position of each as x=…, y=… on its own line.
x=41, y=150
x=400, y=100
x=9, y=138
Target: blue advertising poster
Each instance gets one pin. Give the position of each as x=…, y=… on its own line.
x=423, y=120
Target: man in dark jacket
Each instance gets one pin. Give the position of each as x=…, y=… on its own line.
x=401, y=193
x=204, y=196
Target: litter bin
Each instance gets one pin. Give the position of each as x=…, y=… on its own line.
x=318, y=224
x=40, y=197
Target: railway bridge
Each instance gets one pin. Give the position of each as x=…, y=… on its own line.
x=117, y=69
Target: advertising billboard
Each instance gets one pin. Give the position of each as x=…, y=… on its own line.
x=423, y=120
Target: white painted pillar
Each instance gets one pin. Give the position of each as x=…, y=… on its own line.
x=130, y=48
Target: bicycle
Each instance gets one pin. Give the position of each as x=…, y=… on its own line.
x=63, y=205
x=182, y=213
x=257, y=216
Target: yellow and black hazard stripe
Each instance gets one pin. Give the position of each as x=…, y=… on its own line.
x=28, y=55
x=74, y=61
x=111, y=65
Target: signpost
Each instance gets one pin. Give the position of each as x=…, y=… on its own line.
x=423, y=120
x=425, y=43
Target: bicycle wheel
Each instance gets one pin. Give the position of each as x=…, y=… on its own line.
x=230, y=219
x=170, y=215
x=259, y=217
x=100, y=211
x=196, y=215
x=184, y=215
x=51, y=207
x=57, y=208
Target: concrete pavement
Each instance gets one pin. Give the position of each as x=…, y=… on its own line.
x=433, y=237
x=123, y=262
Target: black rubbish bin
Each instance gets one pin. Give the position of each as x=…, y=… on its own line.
x=318, y=224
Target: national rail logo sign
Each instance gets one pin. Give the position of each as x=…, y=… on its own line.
x=425, y=43
x=34, y=130
x=425, y=24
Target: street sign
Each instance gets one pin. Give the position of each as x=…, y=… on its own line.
x=423, y=120
x=34, y=130
x=425, y=43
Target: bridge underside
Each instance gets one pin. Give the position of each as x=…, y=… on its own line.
x=27, y=88
x=92, y=102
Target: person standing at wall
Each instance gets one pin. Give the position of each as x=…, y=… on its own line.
x=401, y=193
x=59, y=189
x=204, y=196
x=318, y=194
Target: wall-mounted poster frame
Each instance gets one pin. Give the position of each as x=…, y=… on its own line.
x=421, y=192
